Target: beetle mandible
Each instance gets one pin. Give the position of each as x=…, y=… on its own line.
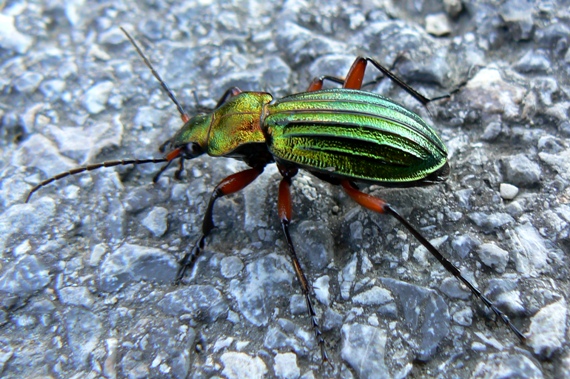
x=339, y=135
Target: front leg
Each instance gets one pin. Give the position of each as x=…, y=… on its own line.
x=232, y=184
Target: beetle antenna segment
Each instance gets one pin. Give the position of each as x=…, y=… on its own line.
x=378, y=205
x=185, y=117
x=78, y=170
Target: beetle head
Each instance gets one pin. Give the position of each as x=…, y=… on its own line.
x=190, y=141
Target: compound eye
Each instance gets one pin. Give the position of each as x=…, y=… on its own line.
x=193, y=149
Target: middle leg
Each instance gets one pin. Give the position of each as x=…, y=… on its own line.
x=284, y=210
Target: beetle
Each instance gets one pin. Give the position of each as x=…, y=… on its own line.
x=340, y=135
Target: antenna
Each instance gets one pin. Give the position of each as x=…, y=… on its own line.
x=185, y=117
x=91, y=167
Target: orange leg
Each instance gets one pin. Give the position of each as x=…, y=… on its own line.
x=284, y=210
x=317, y=83
x=378, y=205
x=355, y=74
x=232, y=184
x=355, y=77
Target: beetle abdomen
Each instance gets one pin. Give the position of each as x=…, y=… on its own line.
x=354, y=134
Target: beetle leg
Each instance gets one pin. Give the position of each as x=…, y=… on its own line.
x=232, y=184
x=284, y=210
x=161, y=171
x=162, y=147
x=355, y=77
x=178, y=172
x=355, y=74
x=392, y=68
x=230, y=92
x=317, y=83
x=378, y=205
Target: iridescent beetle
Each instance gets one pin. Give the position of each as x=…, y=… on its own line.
x=339, y=135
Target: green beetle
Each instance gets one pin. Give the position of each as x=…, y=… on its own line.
x=339, y=135
x=343, y=133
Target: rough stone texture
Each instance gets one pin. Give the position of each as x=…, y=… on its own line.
x=364, y=348
x=240, y=365
x=156, y=221
x=87, y=266
x=507, y=365
x=493, y=256
x=548, y=329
